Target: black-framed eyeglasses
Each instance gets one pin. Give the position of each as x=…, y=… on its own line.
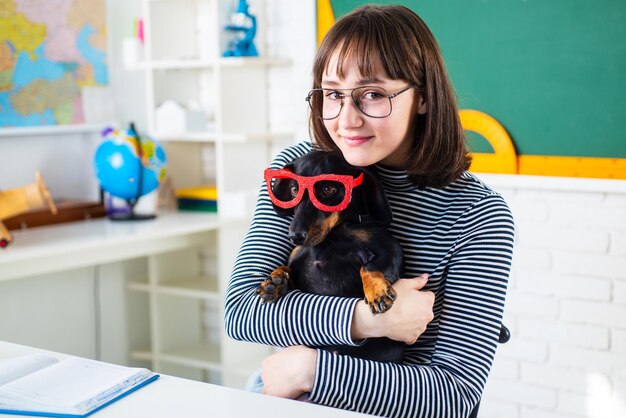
x=372, y=101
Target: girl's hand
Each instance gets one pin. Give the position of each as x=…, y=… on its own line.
x=405, y=321
x=290, y=372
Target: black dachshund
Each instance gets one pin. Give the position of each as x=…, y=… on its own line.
x=342, y=247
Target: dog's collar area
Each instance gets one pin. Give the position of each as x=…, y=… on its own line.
x=362, y=218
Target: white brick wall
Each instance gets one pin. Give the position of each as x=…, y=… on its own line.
x=291, y=34
x=566, y=303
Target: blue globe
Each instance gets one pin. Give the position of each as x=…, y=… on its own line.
x=117, y=164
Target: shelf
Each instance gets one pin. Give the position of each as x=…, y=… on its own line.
x=220, y=137
x=200, y=355
x=249, y=61
x=52, y=130
x=197, y=287
x=141, y=355
x=207, y=64
x=138, y=286
x=185, y=137
x=180, y=64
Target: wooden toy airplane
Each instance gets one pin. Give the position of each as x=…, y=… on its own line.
x=22, y=199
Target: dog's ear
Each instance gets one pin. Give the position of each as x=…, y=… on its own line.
x=281, y=190
x=374, y=199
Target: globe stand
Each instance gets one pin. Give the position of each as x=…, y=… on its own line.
x=131, y=203
x=132, y=216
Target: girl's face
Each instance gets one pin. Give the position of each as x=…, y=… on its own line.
x=364, y=140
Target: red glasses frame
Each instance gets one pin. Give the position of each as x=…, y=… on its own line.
x=308, y=184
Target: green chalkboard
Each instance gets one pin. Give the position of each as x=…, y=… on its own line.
x=553, y=72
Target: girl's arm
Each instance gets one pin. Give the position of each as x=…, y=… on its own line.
x=471, y=313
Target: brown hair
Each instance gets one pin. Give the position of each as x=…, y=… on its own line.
x=393, y=38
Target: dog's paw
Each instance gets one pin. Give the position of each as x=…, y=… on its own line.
x=379, y=295
x=275, y=286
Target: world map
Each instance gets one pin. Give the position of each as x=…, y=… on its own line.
x=50, y=50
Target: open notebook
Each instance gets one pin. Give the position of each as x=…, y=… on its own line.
x=41, y=385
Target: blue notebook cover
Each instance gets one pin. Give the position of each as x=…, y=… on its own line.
x=51, y=414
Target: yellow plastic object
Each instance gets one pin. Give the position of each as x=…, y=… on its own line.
x=504, y=158
x=325, y=18
x=588, y=167
x=200, y=192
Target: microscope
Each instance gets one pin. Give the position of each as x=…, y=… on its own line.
x=244, y=26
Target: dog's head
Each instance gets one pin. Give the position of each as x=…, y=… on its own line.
x=310, y=225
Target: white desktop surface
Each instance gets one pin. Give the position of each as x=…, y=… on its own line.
x=172, y=397
x=53, y=248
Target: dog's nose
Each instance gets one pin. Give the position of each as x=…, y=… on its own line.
x=297, y=237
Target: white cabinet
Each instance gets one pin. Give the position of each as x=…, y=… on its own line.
x=212, y=116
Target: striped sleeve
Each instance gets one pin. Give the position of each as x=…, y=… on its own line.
x=296, y=318
x=468, y=314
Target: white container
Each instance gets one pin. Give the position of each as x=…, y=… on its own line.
x=132, y=52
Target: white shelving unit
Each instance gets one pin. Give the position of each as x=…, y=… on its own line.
x=183, y=291
x=178, y=294
x=161, y=293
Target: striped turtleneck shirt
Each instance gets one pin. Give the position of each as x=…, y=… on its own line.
x=461, y=235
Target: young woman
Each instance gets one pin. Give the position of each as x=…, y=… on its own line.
x=381, y=95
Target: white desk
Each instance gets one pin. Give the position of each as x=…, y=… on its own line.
x=174, y=397
x=62, y=247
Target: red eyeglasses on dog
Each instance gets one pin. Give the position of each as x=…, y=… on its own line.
x=328, y=192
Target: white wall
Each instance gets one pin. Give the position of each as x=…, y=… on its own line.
x=128, y=86
x=64, y=159
x=291, y=34
x=566, y=303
